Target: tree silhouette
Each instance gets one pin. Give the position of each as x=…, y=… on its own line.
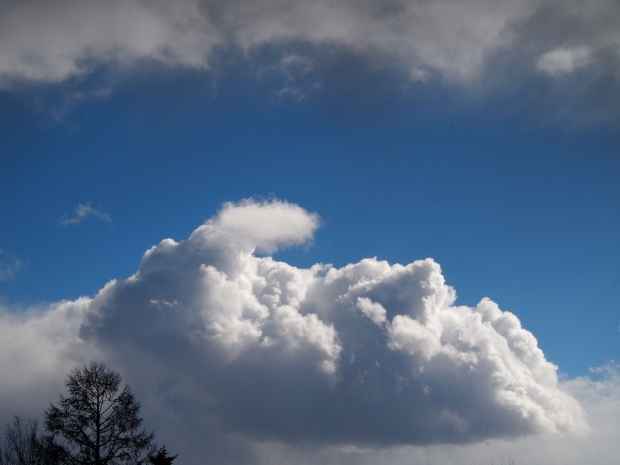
x=96, y=424
x=162, y=457
x=21, y=442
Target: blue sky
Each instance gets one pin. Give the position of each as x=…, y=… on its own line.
x=496, y=155
x=514, y=210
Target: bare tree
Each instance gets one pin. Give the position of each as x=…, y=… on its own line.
x=96, y=424
x=22, y=443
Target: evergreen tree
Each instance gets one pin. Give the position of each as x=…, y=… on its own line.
x=162, y=457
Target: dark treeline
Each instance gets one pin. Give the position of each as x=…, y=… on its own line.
x=97, y=423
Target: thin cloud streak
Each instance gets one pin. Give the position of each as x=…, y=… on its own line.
x=82, y=212
x=9, y=265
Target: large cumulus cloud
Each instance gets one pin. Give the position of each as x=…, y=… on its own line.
x=221, y=343
x=50, y=41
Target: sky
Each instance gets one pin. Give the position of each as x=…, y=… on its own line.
x=319, y=232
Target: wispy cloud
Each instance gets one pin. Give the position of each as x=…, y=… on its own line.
x=83, y=211
x=9, y=265
x=71, y=100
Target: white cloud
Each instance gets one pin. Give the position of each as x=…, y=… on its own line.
x=372, y=310
x=265, y=226
x=563, y=60
x=233, y=353
x=83, y=211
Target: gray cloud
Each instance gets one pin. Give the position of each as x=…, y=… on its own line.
x=54, y=40
x=232, y=351
x=598, y=393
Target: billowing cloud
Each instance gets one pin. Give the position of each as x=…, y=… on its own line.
x=220, y=344
x=55, y=40
x=83, y=211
